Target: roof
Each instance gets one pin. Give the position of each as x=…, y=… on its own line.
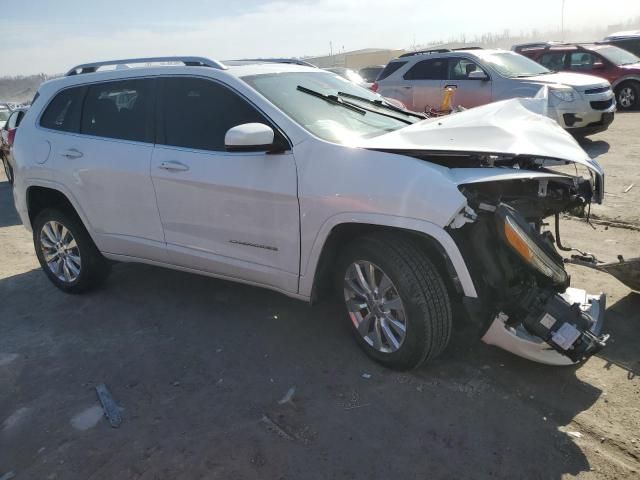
x=624, y=34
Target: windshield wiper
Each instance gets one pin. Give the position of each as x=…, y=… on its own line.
x=383, y=104
x=333, y=99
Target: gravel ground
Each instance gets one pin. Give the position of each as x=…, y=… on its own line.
x=618, y=151
x=200, y=365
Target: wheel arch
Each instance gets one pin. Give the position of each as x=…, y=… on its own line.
x=337, y=232
x=46, y=195
x=626, y=78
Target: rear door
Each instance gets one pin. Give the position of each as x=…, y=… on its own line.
x=426, y=81
x=470, y=92
x=234, y=214
x=102, y=142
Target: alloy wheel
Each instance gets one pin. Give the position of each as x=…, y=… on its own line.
x=626, y=97
x=375, y=306
x=60, y=251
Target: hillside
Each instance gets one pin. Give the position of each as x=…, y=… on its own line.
x=21, y=88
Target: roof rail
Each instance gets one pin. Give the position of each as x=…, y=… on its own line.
x=424, y=52
x=291, y=61
x=522, y=46
x=466, y=48
x=188, y=61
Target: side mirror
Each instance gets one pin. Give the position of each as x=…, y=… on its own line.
x=598, y=66
x=477, y=75
x=250, y=137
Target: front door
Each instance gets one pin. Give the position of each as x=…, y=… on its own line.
x=233, y=214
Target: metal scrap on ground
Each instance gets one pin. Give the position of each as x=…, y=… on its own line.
x=109, y=405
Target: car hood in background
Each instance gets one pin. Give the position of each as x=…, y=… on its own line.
x=633, y=67
x=510, y=127
x=569, y=78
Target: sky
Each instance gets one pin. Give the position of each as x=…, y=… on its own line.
x=46, y=36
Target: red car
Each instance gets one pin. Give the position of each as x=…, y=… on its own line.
x=7, y=136
x=620, y=67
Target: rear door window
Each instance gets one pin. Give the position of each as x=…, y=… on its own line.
x=121, y=110
x=433, y=69
x=555, y=61
x=197, y=113
x=63, y=113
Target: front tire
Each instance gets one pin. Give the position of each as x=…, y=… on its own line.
x=396, y=300
x=67, y=253
x=628, y=95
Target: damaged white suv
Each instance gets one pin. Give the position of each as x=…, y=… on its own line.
x=291, y=178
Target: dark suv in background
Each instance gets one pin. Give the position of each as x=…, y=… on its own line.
x=620, y=67
x=630, y=41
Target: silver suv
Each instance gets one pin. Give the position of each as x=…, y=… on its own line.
x=479, y=76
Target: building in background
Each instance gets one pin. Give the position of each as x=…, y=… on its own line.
x=356, y=59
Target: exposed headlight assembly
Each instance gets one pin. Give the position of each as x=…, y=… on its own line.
x=530, y=247
x=563, y=94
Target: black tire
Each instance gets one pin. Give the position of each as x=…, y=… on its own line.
x=94, y=267
x=8, y=171
x=422, y=291
x=628, y=95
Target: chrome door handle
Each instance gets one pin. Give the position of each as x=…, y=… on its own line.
x=173, y=166
x=72, y=154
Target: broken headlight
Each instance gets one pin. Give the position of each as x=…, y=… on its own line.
x=530, y=246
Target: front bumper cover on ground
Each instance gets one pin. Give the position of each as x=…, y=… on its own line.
x=521, y=342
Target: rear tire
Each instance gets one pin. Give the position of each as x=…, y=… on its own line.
x=413, y=297
x=628, y=95
x=67, y=253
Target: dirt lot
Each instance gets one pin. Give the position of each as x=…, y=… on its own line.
x=199, y=366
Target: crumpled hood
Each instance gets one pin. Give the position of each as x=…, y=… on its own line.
x=514, y=127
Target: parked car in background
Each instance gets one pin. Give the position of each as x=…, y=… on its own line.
x=620, y=67
x=349, y=74
x=582, y=104
x=292, y=178
x=7, y=137
x=5, y=112
x=370, y=74
x=629, y=40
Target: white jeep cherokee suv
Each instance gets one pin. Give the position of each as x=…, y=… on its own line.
x=294, y=179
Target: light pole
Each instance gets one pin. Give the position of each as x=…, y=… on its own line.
x=562, y=20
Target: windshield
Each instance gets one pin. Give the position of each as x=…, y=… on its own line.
x=327, y=119
x=514, y=65
x=618, y=56
x=4, y=115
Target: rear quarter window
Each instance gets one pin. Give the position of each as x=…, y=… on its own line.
x=63, y=112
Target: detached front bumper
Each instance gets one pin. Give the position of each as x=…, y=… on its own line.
x=564, y=338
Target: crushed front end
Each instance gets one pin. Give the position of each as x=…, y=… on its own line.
x=524, y=300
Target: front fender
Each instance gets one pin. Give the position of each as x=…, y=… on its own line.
x=437, y=233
